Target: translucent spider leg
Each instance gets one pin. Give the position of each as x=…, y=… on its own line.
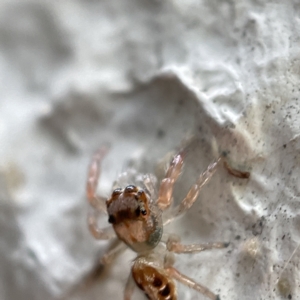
x=193, y=193
x=174, y=244
x=96, y=201
x=203, y=179
x=99, y=233
x=166, y=187
x=191, y=283
x=109, y=256
x=129, y=288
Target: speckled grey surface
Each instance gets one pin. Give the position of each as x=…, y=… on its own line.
x=142, y=76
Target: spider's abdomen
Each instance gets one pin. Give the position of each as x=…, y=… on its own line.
x=154, y=281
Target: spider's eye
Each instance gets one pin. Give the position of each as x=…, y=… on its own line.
x=130, y=189
x=117, y=192
x=144, y=212
x=111, y=219
x=138, y=211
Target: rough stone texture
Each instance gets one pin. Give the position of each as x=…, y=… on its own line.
x=142, y=75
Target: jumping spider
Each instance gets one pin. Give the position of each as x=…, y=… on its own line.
x=136, y=216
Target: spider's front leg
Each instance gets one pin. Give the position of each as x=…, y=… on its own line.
x=106, y=233
x=96, y=201
x=165, y=192
x=203, y=179
x=193, y=193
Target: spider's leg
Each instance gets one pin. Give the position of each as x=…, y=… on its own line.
x=96, y=201
x=174, y=245
x=129, y=288
x=235, y=172
x=109, y=256
x=99, y=233
x=193, y=193
x=203, y=179
x=166, y=187
x=191, y=283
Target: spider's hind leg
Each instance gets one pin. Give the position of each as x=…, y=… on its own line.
x=191, y=283
x=129, y=288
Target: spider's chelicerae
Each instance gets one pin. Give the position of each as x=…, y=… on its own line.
x=138, y=214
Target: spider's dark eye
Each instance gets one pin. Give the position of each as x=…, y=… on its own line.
x=137, y=211
x=111, y=219
x=143, y=212
x=116, y=192
x=130, y=189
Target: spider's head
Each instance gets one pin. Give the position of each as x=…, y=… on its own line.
x=135, y=221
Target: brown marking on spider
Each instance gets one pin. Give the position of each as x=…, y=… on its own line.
x=159, y=285
x=136, y=218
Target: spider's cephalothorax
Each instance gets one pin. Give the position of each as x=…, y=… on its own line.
x=136, y=221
